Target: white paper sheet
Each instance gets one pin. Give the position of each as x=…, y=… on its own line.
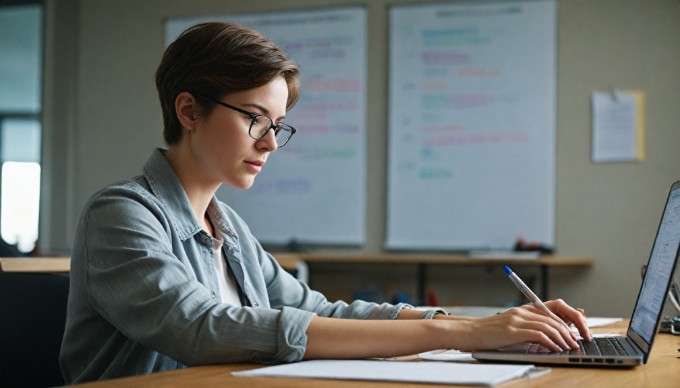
x=406, y=371
x=474, y=311
x=599, y=321
x=446, y=355
x=618, y=126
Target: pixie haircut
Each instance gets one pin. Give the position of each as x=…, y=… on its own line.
x=214, y=59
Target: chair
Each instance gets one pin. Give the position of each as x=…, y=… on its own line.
x=32, y=320
x=293, y=264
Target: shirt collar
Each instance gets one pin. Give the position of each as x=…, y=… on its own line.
x=166, y=186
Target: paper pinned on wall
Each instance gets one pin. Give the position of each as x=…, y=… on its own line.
x=618, y=126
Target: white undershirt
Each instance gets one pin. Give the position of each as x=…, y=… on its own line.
x=225, y=279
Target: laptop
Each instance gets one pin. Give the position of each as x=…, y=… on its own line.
x=634, y=348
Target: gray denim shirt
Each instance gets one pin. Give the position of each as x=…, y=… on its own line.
x=144, y=295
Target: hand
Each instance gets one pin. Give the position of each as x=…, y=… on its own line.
x=570, y=315
x=525, y=324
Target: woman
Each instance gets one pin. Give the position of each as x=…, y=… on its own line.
x=164, y=275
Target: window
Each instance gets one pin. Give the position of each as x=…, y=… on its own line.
x=20, y=126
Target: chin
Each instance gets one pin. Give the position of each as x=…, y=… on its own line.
x=243, y=185
x=242, y=182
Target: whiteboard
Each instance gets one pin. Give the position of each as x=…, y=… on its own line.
x=313, y=189
x=471, y=125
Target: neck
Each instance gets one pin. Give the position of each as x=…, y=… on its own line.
x=196, y=186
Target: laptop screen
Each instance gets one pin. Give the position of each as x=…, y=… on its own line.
x=660, y=268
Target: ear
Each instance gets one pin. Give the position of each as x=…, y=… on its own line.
x=185, y=108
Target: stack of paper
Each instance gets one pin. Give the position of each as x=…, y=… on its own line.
x=405, y=371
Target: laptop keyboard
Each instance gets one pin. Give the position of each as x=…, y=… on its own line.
x=600, y=346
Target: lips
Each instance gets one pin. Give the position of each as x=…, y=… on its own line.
x=255, y=165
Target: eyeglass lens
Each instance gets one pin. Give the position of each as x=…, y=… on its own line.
x=262, y=124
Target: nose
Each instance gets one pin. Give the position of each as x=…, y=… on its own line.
x=267, y=142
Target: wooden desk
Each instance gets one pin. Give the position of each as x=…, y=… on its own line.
x=662, y=370
x=423, y=260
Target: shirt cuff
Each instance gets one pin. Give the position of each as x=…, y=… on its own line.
x=430, y=313
x=292, y=335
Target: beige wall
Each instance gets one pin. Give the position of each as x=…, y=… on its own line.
x=102, y=120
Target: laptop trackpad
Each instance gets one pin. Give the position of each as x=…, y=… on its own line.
x=517, y=348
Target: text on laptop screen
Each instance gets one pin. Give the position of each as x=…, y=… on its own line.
x=653, y=290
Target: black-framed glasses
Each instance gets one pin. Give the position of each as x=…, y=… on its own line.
x=260, y=124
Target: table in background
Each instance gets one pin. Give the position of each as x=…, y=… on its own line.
x=36, y=264
x=289, y=260
x=293, y=261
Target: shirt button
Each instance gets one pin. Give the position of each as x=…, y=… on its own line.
x=255, y=304
x=213, y=294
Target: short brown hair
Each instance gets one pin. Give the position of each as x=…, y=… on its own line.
x=214, y=59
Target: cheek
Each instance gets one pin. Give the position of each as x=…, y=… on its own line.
x=221, y=132
x=229, y=141
x=226, y=135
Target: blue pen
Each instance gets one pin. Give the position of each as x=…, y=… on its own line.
x=532, y=297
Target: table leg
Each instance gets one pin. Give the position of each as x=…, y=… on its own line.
x=420, y=284
x=545, y=286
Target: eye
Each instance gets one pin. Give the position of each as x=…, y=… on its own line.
x=256, y=118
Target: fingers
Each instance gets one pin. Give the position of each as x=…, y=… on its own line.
x=538, y=327
x=508, y=328
x=538, y=337
x=575, y=316
x=582, y=324
x=526, y=324
x=547, y=336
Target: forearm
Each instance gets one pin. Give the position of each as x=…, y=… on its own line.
x=345, y=338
